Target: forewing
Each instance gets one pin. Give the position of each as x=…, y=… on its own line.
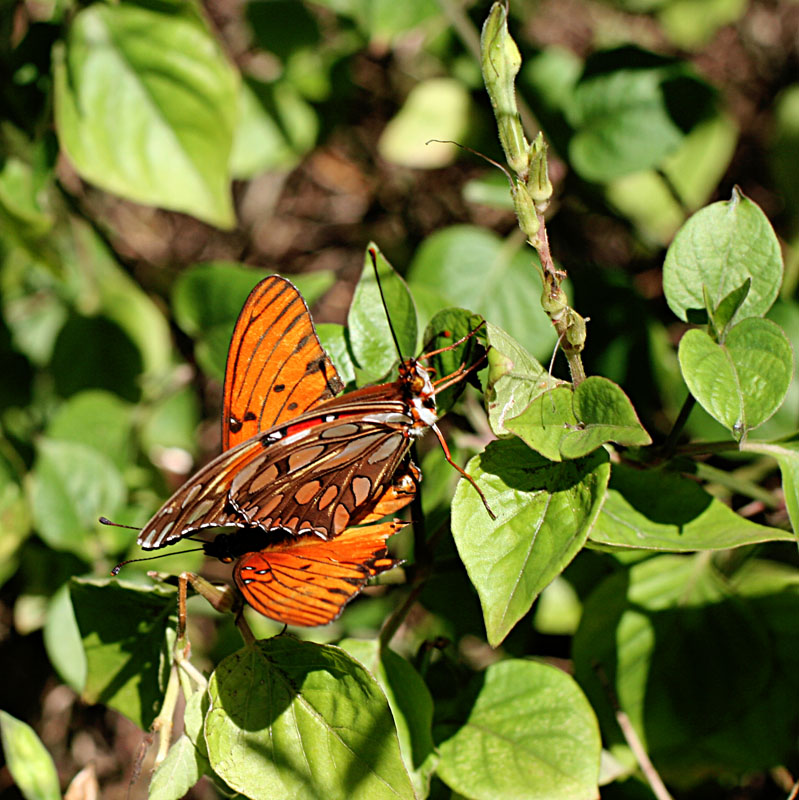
x=276, y=367
x=307, y=581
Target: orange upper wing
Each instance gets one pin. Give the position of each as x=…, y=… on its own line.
x=307, y=581
x=276, y=367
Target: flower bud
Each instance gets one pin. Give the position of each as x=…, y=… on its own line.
x=501, y=61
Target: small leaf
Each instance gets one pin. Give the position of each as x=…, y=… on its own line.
x=720, y=247
x=63, y=642
x=300, y=720
x=178, y=772
x=333, y=338
x=568, y=424
x=444, y=329
x=27, y=760
x=544, y=513
x=728, y=307
x=514, y=380
x=124, y=629
x=98, y=419
x=370, y=335
x=530, y=735
x=71, y=486
x=743, y=381
x=661, y=510
x=437, y=108
x=411, y=705
x=146, y=106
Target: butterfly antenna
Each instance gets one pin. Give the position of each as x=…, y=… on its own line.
x=373, y=256
x=115, y=570
x=106, y=521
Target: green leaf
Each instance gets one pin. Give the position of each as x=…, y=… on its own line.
x=146, y=106
x=178, y=772
x=544, y=513
x=444, y=329
x=662, y=510
x=296, y=719
x=787, y=456
x=211, y=294
x=722, y=316
x=71, y=485
x=624, y=111
x=370, y=336
x=411, y=706
x=473, y=268
x=15, y=521
x=565, y=424
x=743, y=381
x=383, y=20
x=720, y=247
x=530, y=735
x=97, y=419
x=100, y=285
x=275, y=129
x=671, y=640
x=171, y=422
x=62, y=640
x=333, y=338
x=124, y=632
x=514, y=380
x=690, y=24
x=437, y=108
x=27, y=760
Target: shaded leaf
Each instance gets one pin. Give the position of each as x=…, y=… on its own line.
x=124, y=632
x=530, y=735
x=545, y=511
x=411, y=706
x=295, y=719
x=661, y=510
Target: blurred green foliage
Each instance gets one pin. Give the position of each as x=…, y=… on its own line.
x=158, y=158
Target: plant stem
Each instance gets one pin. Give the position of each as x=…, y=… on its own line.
x=671, y=440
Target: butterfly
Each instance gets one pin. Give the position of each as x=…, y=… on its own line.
x=305, y=476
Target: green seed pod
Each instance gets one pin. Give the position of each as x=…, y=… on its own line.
x=525, y=210
x=538, y=183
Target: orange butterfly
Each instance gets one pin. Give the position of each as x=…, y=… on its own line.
x=304, y=476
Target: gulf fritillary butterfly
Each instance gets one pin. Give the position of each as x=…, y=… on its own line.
x=304, y=475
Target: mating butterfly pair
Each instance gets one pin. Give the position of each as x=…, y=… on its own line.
x=304, y=476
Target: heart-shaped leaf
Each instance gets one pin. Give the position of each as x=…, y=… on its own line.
x=743, y=381
x=566, y=423
x=544, y=513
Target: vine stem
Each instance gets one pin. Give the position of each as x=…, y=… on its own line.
x=671, y=440
x=631, y=737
